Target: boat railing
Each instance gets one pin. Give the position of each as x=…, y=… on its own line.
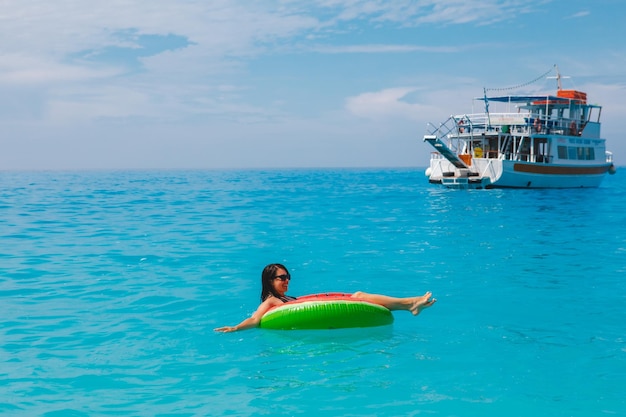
x=488, y=170
x=445, y=129
x=472, y=125
x=512, y=156
x=560, y=126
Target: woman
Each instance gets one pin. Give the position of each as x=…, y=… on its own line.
x=275, y=283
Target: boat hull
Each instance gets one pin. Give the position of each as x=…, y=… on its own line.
x=516, y=174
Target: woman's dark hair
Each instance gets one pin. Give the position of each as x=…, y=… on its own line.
x=267, y=278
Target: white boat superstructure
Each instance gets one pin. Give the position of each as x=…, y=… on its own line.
x=540, y=141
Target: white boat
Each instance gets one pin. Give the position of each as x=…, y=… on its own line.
x=540, y=141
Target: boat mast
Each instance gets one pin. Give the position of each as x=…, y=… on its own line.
x=558, y=77
x=487, y=107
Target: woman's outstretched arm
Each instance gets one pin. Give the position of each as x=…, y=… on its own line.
x=248, y=323
x=255, y=319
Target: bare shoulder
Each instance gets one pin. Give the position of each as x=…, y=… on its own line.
x=266, y=305
x=272, y=302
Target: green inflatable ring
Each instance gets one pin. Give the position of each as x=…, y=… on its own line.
x=326, y=311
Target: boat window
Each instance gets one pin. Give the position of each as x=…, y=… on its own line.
x=572, y=153
x=582, y=153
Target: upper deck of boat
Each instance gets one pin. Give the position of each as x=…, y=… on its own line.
x=567, y=114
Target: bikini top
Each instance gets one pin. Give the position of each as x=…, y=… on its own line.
x=287, y=298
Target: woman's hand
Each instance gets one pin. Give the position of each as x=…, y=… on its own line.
x=226, y=329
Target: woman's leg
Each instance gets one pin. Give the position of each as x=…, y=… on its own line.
x=413, y=304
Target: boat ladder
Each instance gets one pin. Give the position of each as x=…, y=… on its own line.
x=441, y=147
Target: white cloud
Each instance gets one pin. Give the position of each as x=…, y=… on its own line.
x=32, y=69
x=579, y=14
x=221, y=30
x=40, y=39
x=384, y=104
x=410, y=13
x=378, y=49
x=416, y=104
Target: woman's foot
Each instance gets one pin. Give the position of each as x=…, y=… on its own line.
x=417, y=304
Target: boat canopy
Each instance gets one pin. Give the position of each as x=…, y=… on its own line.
x=524, y=99
x=534, y=101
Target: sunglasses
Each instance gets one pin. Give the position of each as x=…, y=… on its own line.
x=283, y=277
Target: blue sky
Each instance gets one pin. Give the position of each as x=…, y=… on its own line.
x=156, y=84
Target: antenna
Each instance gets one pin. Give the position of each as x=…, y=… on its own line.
x=558, y=77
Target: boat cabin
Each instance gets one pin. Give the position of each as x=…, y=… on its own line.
x=542, y=129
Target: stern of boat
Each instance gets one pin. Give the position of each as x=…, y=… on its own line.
x=442, y=172
x=456, y=169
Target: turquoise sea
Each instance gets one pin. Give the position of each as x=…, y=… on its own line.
x=112, y=284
